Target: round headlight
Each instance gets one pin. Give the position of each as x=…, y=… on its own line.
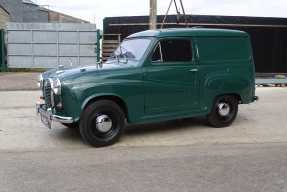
x=56, y=86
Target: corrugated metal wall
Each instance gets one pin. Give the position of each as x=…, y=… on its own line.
x=268, y=35
x=36, y=45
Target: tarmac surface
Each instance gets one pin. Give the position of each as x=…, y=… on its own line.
x=236, y=168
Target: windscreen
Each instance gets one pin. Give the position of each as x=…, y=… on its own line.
x=133, y=49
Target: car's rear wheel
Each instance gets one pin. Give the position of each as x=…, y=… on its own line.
x=224, y=111
x=102, y=123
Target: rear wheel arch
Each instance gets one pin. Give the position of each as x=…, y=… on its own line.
x=235, y=95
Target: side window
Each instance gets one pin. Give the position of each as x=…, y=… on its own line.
x=157, y=55
x=173, y=50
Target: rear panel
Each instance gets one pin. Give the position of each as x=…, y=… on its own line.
x=226, y=67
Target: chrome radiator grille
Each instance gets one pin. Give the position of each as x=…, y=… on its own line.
x=47, y=93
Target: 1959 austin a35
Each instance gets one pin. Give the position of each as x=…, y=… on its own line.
x=153, y=76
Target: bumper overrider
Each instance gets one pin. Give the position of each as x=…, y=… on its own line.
x=47, y=117
x=50, y=89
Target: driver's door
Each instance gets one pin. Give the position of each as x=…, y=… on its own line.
x=170, y=78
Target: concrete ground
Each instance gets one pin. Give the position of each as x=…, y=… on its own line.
x=182, y=155
x=18, y=81
x=261, y=122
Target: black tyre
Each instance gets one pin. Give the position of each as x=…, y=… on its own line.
x=102, y=123
x=71, y=125
x=224, y=111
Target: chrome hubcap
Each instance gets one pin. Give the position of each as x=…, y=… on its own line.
x=104, y=123
x=223, y=109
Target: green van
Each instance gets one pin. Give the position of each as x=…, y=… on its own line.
x=153, y=76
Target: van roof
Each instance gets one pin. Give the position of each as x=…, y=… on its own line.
x=186, y=32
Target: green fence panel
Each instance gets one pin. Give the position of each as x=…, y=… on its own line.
x=3, y=65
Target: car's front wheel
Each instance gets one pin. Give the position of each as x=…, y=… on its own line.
x=224, y=111
x=102, y=123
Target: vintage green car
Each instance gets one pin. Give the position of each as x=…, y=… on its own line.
x=153, y=76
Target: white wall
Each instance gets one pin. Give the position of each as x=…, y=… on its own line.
x=42, y=45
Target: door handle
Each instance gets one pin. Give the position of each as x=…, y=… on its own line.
x=193, y=70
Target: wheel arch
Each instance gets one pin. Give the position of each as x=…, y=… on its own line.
x=236, y=95
x=115, y=98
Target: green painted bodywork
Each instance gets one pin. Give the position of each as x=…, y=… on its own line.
x=151, y=92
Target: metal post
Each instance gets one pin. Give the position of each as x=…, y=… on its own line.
x=58, y=47
x=165, y=16
x=32, y=48
x=3, y=66
x=185, y=17
x=153, y=14
x=98, y=46
x=79, y=47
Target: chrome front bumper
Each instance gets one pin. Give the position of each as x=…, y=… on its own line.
x=47, y=117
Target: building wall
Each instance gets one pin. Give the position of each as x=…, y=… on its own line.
x=56, y=17
x=4, y=18
x=29, y=12
x=15, y=8
x=48, y=45
x=33, y=13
